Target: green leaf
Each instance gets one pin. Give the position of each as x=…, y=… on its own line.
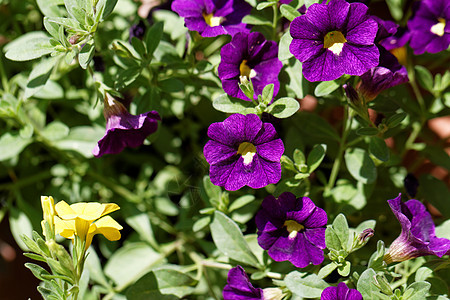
x=344, y=270
x=153, y=37
x=162, y=284
x=131, y=262
x=289, y=12
x=29, y=46
x=396, y=8
x=75, y=10
x=256, y=20
x=12, y=145
x=283, y=107
x=327, y=269
x=240, y=202
x=378, y=148
x=224, y=104
x=109, y=7
x=51, y=8
x=436, y=192
x=308, y=3
x=267, y=94
x=417, y=291
x=296, y=82
x=86, y=54
x=325, y=88
x=424, y=77
x=94, y=267
x=299, y=157
x=395, y=120
x=315, y=157
x=171, y=85
x=367, y=131
x=138, y=45
x=66, y=22
x=263, y=5
x=201, y=223
x=283, y=51
x=229, y=239
x=340, y=226
x=81, y=139
x=213, y=192
x=314, y=125
x=310, y=286
x=366, y=284
x=141, y=224
x=39, y=76
x=55, y=131
x=360, y=165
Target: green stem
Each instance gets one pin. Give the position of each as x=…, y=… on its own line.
x=4, y=77
x=217, y=265
x=342, y=146
x=275, y=22
x=26, y=181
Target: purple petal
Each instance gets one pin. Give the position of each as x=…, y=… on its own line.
x=216, y=152
x=271, y=151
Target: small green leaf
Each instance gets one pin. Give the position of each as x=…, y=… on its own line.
x=360, y=165
x=267, y=94
x=138, y=45
x=213, y=192
x=283, y=49
x=367, y=131
x=86, y=54
x=153, y=37
x=224, y=104
x=417, y=291
x=314, y=125
x=310, y=286
x=331, y=239
x=366, y=285
x=37, y=271
x=340, y=226
x=289, y=12
x=315, y=157
x=283, y=107
x=29, y=46
x=55, y=131
x=256, y=20
x=344, y=270
x=325, y=88
x=378, y=148
x=424, y=78
x=201, y=223
x=229, y=240
x=240, y=202
x=327, y=269
x=263, y=5
x=299, y=157
x=39, y=76
x=395, y=120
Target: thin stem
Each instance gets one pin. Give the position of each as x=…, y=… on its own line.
x=275, y=21
x=4, y=77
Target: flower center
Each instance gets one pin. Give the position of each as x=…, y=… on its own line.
x=334, y=41
x=246, y=71
x=211, y=20
x=293, y=228
x=438, y=28
x=247, y=151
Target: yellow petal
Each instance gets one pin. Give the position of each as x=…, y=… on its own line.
x=64, y=211
x=48, y=205
x=106, y=226
x=65, y=228
x=109, y=208
x=88, y=211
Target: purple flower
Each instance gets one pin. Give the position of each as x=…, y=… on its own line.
x=124, y=129
x=213, y=17
x=398, y=40
x=334, y=39
x=137, y=30
x=417, y=237
x=239, y=287
x=387, y=74
x=430, y=26
x=341, y=292
x=292, y=229
x=252, y=57
x=243, y=151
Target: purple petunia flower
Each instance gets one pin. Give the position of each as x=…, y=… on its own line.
x=292, y=229
x=417, y=237
x=334, y=39
x=341, y=292
x=243, y=151
x=430, y=26
x=252, y=57
x=213, y=17
x=398, y=40
x=124, y=129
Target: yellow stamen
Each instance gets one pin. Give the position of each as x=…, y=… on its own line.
x=334, y=41
x=211, y=20
x=247, y=151
x=439, y=27
x=246, y=71
x=293, y=228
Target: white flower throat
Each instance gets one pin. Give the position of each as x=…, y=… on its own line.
x=439, y=27
x=247, y=151
x=334, y=41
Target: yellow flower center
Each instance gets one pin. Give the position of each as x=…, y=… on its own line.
x=438, y=28
x=247, y=151
x=293, y=228
x=334, y=41
x=211, y=20
x=246, y=71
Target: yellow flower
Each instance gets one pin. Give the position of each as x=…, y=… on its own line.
x=86, y=220
x=48, y=208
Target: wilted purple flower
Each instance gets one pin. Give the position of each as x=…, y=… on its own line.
x=387, y=74
x=417, y=237
x=386, y=28
x=239, y=287
x=292, y=229
x=124, y=129
x=341, y=292
x=252, y=57
x=243, y=151
x=334, y=39
x=430, y=26
x=213, y=17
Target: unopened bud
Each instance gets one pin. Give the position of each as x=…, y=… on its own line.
x=74, y=39
x=352, y=94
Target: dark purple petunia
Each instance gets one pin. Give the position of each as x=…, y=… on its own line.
x=213, y=17
x=334, y=39
x=387, y=74
x=341, y=292
x=250, y=56
x=124, y=129
x=430, y=26
x=398, y=40
x=137, y=30
x=239, y=287
x=243, y=151
x=292, y=229
x=417, y=237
